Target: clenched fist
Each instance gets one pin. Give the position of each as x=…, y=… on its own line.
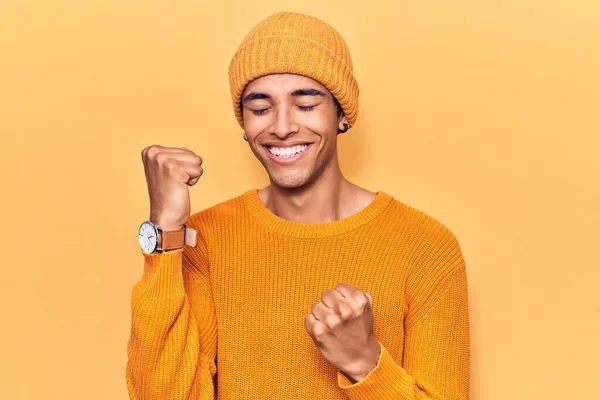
x=341, y=325
x=169, y=171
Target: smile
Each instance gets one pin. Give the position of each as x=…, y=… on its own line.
x=287, y=152
x=287, y=155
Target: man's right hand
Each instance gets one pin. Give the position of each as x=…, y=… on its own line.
x=169, y=171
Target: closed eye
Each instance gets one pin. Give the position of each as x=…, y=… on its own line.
x=263, y=110
x=260, y=112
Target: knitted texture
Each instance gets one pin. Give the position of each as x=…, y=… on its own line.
x=225, y=320
x=295, y=43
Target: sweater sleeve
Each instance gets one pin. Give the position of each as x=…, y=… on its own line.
x=436, y=361
x=172, y=345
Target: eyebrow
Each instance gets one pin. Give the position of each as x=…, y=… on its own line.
x=297, y=92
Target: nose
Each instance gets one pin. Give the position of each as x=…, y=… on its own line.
x=283, y=122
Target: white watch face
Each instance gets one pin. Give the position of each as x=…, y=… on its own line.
x=147, y=237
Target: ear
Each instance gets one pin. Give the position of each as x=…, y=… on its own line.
x=341, y=121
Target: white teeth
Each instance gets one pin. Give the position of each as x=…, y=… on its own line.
x=286, y=152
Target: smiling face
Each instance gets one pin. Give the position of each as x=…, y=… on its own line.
x=291, y=122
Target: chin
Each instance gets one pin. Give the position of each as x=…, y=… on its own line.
x=289, y=181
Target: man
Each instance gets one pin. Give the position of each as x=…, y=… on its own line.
x=309, y=288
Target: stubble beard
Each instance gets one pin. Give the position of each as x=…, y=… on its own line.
x=290, y=180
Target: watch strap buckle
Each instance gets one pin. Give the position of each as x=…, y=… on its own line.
x=190, y=236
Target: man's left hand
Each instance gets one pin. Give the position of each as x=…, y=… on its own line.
x=341, y=325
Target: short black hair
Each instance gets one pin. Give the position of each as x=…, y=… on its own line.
x=339, y=107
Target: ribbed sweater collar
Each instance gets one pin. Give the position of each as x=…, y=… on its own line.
x=314, y=230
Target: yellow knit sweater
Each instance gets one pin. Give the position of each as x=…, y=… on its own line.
x=225, y=320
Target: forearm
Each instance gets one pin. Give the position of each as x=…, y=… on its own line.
x=436, y=355
x=165, y=359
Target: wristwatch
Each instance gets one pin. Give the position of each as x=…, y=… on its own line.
x=153, y=239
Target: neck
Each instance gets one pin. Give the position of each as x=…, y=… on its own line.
x=330, y=198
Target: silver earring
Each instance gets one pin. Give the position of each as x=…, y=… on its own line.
x=346, y=127
x=245, y=138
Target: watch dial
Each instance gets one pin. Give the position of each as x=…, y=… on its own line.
x=147, y=237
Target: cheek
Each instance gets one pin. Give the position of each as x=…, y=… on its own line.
x=253, y=126
x=319, y=122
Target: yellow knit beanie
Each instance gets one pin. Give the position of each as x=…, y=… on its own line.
x=288, y=42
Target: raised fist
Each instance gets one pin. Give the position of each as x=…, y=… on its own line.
x=341, y=326
x=169, y=171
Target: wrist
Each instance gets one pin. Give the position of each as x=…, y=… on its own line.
x=165, y=224
x=364, y=366
x=168, y=228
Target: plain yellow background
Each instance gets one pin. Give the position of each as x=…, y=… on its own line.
x=484, y=115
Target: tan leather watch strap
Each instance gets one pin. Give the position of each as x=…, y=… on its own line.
x=171, y=240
